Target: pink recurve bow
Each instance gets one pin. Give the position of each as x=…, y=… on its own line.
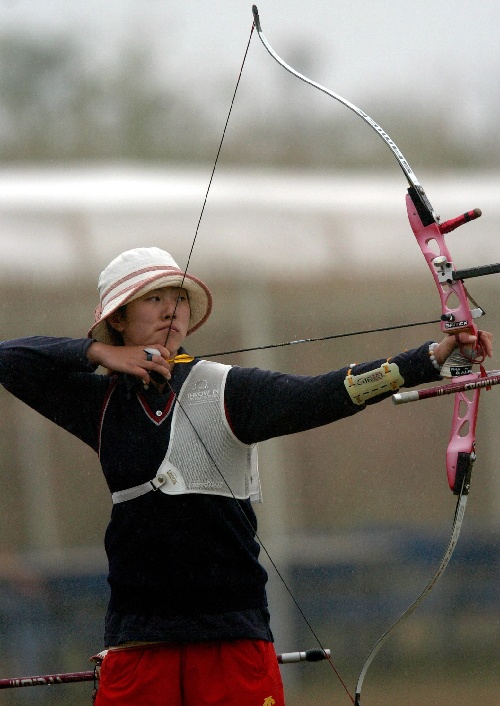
x=456, y=316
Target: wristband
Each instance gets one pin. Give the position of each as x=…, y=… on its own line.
x=432, y=348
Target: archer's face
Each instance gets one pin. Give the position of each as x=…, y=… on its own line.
x=159, y=317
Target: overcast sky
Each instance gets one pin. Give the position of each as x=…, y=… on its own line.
x=437, y=49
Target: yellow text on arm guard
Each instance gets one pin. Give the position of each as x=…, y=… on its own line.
x=373, y=383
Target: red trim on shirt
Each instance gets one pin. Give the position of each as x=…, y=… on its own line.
x=158, y=416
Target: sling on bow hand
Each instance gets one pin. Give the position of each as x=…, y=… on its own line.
x=456, y=317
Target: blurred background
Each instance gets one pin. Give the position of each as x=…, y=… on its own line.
x=111, y=115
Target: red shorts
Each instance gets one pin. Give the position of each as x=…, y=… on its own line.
x=233, y=673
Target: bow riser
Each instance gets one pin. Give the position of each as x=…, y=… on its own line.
x=456, y=315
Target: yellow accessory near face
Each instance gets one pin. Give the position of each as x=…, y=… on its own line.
x=181, y=358
x=373, y=383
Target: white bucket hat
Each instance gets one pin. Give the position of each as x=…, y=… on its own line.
x=136, y=272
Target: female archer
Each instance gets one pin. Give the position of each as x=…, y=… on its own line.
x=188, y=620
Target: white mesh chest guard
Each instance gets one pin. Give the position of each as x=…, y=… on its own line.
x=203, y=455
x=202, y=445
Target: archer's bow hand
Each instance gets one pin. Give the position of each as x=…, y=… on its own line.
x=483, y=341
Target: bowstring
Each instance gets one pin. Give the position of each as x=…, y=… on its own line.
x=452, y=542
x=254, y=534
x=216, y=161
x=321, y=338
x=176, y=399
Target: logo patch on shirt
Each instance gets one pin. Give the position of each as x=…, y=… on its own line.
x=201, y=393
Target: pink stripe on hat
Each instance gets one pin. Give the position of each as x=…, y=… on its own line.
x=134, y=273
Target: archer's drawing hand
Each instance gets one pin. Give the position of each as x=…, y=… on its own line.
x=444, y=349
x=131, y=359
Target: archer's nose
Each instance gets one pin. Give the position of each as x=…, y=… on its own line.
x=169, y=311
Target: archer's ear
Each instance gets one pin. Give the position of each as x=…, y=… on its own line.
x=116, y=321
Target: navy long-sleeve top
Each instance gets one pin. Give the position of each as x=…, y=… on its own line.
x=181, y=568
